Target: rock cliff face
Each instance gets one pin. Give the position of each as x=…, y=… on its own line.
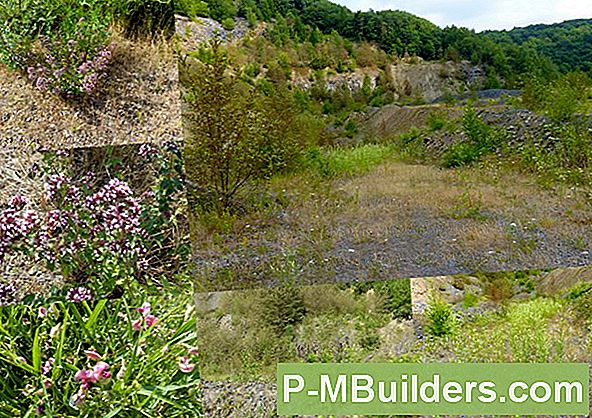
x=423, y=81
x=429, y=80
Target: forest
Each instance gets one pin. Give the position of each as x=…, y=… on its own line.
x=543, y=50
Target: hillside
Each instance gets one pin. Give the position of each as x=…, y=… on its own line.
x=568, y=44
x=505, y=56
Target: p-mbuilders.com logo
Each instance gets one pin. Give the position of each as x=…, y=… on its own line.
x=433, y=389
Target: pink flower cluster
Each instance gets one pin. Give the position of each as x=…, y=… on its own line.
x=99, y=373
x=146, y=319
x=184, y=362
x=69, y=69
x=15, y=223
x=79, y=294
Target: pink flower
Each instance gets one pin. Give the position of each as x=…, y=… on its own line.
x=42, y=312
x=101, y=371
x=144, y=309
x=47, y=384
x=150, y=320
x=85, y=376
x=93, y=355
x=100, y=367
x=184, y=365
x=47, y=366
x=137, y=324
x=193, y=351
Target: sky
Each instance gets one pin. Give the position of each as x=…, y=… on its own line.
x=481, y=15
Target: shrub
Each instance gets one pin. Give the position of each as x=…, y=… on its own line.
x=235, y=135
x=395, y=295
x=146, y=17
x=192, y=8
x=283, y=307
x=499, y=288
x=436, y=121
x=470, y=300
x=88, y=358
x=440, y=319
x=480, y=140
x=228, y=23
x=580, y=300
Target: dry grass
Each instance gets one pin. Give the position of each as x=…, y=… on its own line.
x=400, y=220
x=138, y=102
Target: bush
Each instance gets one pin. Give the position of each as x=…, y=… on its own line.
x=394, y=294
x=87, y=358
x=499, y=288
x=283, y=307
x=436, y=121
x=146, y=17
x=235, y=134
x=580, y=300
x=480, y=140
x=440, y=319
x=192, y=8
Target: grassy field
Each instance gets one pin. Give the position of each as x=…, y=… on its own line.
x=367, y=213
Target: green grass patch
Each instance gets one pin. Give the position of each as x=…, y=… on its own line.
x=346, y=161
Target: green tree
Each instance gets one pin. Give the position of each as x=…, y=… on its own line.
x=235, y=134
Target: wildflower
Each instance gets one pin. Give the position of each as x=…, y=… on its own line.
x=147, y=151
x=7, y=291
x=144, y=309
x=101, y=371
x=41, y=84
x=18, y=202
x=184, y=365
x=47, y=384
x=150, y=320
x=137, y=324
x=42, y=312
x=193, y=351
x=85, y=376
x=78, y=294
x=54, y=331
x=47, y=366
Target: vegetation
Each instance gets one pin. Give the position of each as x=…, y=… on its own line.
x=508, y=57
x=328, y=323
x=440, y=319
x=96, y=230
x=236, y=134
x=567, y=44
x=344, y=323
x=84, y=357
x=65, y=47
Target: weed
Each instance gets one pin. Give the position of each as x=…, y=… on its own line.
x=441, y=320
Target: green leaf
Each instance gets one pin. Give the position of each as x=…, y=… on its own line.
x=95, y=314
x=36, y=352
x=113, y=413
x=151, y=393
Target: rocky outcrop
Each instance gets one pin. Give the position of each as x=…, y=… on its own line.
x=429, y=80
